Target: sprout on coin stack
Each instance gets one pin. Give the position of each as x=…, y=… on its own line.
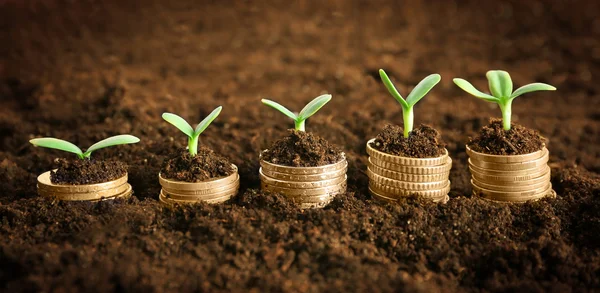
x=508, y=162
x=196, y=174
x=85, y=179
x=303, y=166
x=409, y=162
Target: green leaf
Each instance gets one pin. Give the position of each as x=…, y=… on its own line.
x=422, y=89
x=314, y=106
x=500, y=83
x=469, y=88
x=207, y=121
x=533, y=87
x=59, y=144
x=279, y=108
x=111, y=141
x=392, y=89
x=179, y=122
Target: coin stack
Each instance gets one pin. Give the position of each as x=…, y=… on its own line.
x=510, y=178
x=118, y=188
x=211, y=191
x=311, y=187
x=392, y=177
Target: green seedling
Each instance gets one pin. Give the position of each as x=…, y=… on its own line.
x=501, y=87
x=308, y=110
x=415, y=96
x=63, y=145
x=192, y=133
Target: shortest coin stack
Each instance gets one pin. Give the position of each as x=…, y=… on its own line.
x=118, y=188
x=392, y=177
x=311, y=187
x=510, y=178
x=213, y=191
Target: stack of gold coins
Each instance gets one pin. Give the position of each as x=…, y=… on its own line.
x=216, y=190
x=510, y=178
x=311, y=187
x=392, y=177
x=118, y=188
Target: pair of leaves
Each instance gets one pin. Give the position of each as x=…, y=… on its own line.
x=308, y=110
x=417, y=93
x=186, y=128
x=501, y=87
x=63, y=145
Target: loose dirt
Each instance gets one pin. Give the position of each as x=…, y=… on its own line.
x=302, y=149
x=422, y=142
x=206, y=164
x=87, y=171
x=494, y=140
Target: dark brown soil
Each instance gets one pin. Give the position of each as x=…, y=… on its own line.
x=302, y=149
x=422, y=142
x=84, y=70
x=494, y=140
x=88, y=171
x=206, y=164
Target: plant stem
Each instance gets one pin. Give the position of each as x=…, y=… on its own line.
x=299, y=125
x=506, y=108
x=193, y=145
x=409, y=118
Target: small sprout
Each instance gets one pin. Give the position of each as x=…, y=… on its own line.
x=308, y=110
x=192, y=133
x=413, y=97
x=63, y=145
x=501, y=87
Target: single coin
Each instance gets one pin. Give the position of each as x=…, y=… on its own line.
x=405, y=161
x=424, y=170
x=84, y=196
x=314, y=199
x=291, y=192
x=208, y=184
x=512, y=197
x=393, y=192
x=510, y=187
x=233, y=189
x=342, y=164
x=543, y=178
x=500, y=180
x=511, y=166
x=201, y=192
x=45, y=183
x=406, y=185
x=407, y=177
x=171, y=201
x=301, y=185
x=126, y=194
x=505, y=158
x=304, y=178
x=507, y=173
x=380, y=196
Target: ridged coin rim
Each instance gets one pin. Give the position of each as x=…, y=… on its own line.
x=406, y=161
x=505, y=158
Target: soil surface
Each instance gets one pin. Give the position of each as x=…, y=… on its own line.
x=422, y=142
x=181, y=166
x=494, y=140
x=87, y=171
x=84, y=71
x=302, y=149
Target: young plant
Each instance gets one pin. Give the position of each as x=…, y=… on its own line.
x=192, y=133
x=501, y=87
x=308, y=110
x=413, y=97
x=63, y=145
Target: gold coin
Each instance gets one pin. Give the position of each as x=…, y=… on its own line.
x=511, y=166
x=507, y=173
x=301, y=185
x=499, y=180
x=405, y=161
x=304, y=178
x=406, y=185
x=170, y=201
x=316, y=205
x=407, y=177
x=424, y=170
x=126, y=194
x=377, y=195
x=314, y=199
x=505, y=158
x=232, y=190
x=512, y=196
x=304, y=170
x=393, y=192
x=543, y=178
x=293, y=192
x=201, y=192
x=83, y=196
x=208, y=184
x=45, y=183
x=510, y=187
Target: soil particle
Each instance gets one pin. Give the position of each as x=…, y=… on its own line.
x=87, y=171
x=302, y=149
x=203, y=166
x=422, y=142
x=494, y=140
